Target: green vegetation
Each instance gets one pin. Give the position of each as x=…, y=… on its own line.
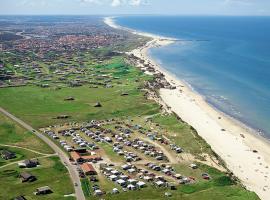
x=51, y=173
x=21, y=154
x=86, y=187
x=40, y=106
x=12, y=134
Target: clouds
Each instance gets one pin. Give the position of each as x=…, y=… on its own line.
x=117, y=3
x=238, y=2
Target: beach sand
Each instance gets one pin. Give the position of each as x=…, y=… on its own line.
x=231, y=140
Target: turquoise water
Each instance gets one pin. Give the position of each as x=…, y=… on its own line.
x=225, y=59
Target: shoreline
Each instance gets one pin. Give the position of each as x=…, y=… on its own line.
x=245, y=153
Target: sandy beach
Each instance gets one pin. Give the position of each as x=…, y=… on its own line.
x=245, y=153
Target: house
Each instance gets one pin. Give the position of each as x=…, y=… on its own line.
x=88, y=169
x=91, y=158
x=27, y=177
x=76, y=157
x=7, y=155
x=43, y=190
x=28, y=163
x=20, y=198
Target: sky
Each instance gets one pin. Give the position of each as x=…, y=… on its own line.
x=109, y=7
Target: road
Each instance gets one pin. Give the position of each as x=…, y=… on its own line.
x=63, y=157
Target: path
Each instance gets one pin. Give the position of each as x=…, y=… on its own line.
x=14, y=146
x=46, y=156
x=172, y=159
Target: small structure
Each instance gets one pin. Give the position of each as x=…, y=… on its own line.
x=159, y=183
x=7, y=155
x=43, y=190
x=115, y=191
x=76, y=157
x=131, y=187
x=140, y=184
x=88, y=169
x=69, y=99
x=193, y=166
x=27, y=177
x=121, y=182
x=28, y=163
x=98, y=105
x=20, y=198
x=98, y=193
x=168, y=194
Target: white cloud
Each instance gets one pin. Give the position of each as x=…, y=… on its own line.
x=116, y=3
x=238, y=2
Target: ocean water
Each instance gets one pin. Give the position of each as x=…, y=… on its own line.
x=225, y=59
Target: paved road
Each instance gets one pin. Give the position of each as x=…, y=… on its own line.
x=63, y=157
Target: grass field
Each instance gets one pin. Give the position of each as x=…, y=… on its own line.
x=12, y=134
x=51, y=173
x=39, y=106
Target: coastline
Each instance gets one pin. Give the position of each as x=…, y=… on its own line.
x=233, y=142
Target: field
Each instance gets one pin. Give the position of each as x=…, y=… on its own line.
x=13, y=134
x=50, y=173
x=39, y=106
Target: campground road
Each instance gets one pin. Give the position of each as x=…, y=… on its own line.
x=63, y=157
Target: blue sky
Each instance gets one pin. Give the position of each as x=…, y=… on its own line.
x=107, y=7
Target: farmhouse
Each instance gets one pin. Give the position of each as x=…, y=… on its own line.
x=88, y=169
x=28, y=163
x=27, y=177
x=7, y=155
x=43, y=190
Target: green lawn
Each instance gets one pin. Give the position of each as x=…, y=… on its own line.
x=51, y=173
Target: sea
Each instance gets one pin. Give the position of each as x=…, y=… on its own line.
x=226, y=59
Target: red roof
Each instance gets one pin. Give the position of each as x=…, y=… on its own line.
x=86, y=167
x=75, y=156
